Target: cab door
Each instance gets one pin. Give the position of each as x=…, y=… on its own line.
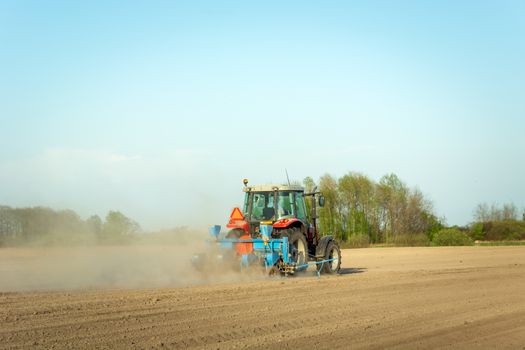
x=300, y=207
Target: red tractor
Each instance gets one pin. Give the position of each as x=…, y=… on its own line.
x=284, y=208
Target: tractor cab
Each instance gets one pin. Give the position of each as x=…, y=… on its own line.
x=282, y=206
x=274, y=203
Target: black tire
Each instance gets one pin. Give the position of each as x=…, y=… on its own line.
x=298, y=247
x=332, y=267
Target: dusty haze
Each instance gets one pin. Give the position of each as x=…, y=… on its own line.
x=144, y=263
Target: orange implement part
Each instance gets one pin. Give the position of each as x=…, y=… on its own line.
x=244, y=248
x=236, y=214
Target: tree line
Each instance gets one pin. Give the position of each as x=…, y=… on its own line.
x=357, y=210
x=362, y=210
x=41, y=225
x=497, y=223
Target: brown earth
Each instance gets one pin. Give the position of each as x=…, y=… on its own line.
x=458, y=297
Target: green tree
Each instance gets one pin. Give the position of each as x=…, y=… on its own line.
x=392, y=198
x=509, y=212
x=387, y=211
x=309, y=186
x=451, y=237
x=68, y=223
x=94, y=225
x=10, y=226
x=357, y=202
x=118, y=227
x=330, y=214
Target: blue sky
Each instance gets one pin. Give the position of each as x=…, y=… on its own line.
x=160, y=108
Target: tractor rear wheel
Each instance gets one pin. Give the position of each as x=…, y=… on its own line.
x=298, y=248
x=332, y=252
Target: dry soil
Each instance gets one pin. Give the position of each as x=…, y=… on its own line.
x=457, y=297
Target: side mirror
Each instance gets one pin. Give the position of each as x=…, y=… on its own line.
x=321, y=201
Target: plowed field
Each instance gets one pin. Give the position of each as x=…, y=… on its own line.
x=458, y=297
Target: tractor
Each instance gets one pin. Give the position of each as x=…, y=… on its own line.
x=276, y=231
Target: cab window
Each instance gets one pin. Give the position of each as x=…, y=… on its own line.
x=301, y=208
x=285, y=205
x=262, y=206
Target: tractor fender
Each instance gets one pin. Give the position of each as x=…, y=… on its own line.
x=239, y=224
x=321, y=246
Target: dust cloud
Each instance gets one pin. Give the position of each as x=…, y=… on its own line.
x=147, y=262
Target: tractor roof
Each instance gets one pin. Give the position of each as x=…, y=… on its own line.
x=271, y=188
